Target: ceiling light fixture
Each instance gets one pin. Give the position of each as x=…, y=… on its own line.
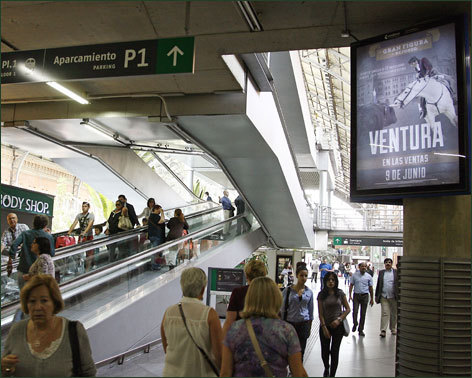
x=250, y=15
x=67, y=92
x=99, y=129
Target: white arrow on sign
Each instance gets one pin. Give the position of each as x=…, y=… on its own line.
x=175, y=50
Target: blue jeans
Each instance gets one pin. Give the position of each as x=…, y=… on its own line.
x=156, y=240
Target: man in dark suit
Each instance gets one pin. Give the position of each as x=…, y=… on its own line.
x=131, y=213
x=386, y=293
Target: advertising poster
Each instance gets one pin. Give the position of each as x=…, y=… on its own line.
x=407, y=124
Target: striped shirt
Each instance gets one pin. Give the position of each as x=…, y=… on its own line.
x=9, y=235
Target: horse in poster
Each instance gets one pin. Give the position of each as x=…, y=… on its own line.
x=437, y=97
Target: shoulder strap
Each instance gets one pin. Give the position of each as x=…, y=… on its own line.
x=257, y=348
x=210, y=362
x=74, y=345
x=287, y=299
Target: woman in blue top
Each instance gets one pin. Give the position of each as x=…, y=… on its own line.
x=297, y=306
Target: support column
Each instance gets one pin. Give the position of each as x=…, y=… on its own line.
x=323, y=188
x=16, y=165
x=76, y=184
x=434, y=333
x=190, y=179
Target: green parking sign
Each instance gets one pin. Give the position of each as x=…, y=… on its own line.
x=175, y=55
x=337, y=241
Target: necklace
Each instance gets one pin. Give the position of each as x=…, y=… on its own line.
x=39, y=339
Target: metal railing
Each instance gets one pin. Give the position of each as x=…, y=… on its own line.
x=97, y=243
x=368, y=219
x=87, y=280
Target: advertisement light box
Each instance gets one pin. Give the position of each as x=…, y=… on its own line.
x=411, y=113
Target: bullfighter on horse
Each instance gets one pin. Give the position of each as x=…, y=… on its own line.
x=423, y=69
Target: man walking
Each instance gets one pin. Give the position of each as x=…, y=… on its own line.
x=386, y=293
x=362, y=283
x=315, y=268
x=12, y=232
x=324, y=268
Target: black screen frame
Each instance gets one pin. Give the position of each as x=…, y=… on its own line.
x=394, y=195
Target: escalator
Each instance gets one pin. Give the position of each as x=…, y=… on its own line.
x=69, y=261
x=122, y=302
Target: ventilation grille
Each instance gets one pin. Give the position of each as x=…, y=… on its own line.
x=434, y=318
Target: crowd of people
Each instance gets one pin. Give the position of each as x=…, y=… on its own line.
x=122, y=218
x=265, y=332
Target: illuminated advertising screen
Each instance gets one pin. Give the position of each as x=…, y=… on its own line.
x=410, y=122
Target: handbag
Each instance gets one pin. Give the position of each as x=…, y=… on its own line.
x=287, y=299
x=210, y=362
x=347, y=329
x=257, y=348
x=74, y=346
x=124, y=223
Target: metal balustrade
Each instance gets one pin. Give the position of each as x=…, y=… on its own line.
x=367, y=219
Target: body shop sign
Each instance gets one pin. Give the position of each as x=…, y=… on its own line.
x=17, y=199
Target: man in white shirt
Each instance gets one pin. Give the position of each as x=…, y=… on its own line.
x=336, y=267
x=315, y=267
x=386, y=293
x=362, y=283
x=85, y=219
x=12, y=232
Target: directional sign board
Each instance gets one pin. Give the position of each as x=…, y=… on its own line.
x=337, y=240
x=160, y=56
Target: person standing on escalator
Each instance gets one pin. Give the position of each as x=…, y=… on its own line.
x=26, y=238
x=178, y=227
x=131, y=212
x=113, y=229
x=85, y=219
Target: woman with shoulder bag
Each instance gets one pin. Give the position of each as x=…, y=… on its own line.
x=191, y=331
x=113, y=227
x=46, y=345
x=330, y=303
x=297, y=307
x=176, y=225
x=260, y=344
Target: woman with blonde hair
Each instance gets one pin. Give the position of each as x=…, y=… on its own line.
x=191, y=331
x=253, y=269
x=276, y=339
x=40, y=346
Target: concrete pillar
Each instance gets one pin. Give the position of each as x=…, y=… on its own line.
x=437, y=227
x=190, y=179
x=76, y=184
x=323, y=188
x=434, y=334
x=297, y=256
x=271, y=262
x=16, y=164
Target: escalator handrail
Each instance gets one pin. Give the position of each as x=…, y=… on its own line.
x=60, y=233
x=85, y=278
x=97, y=243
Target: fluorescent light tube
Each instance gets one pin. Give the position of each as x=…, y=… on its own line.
x=67, y=92
x=97, y=130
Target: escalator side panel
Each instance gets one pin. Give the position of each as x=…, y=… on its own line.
x=138, y=318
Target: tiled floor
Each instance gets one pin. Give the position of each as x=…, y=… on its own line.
x=369, y=356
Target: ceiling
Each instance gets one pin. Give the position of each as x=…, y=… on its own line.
x=220, y=28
